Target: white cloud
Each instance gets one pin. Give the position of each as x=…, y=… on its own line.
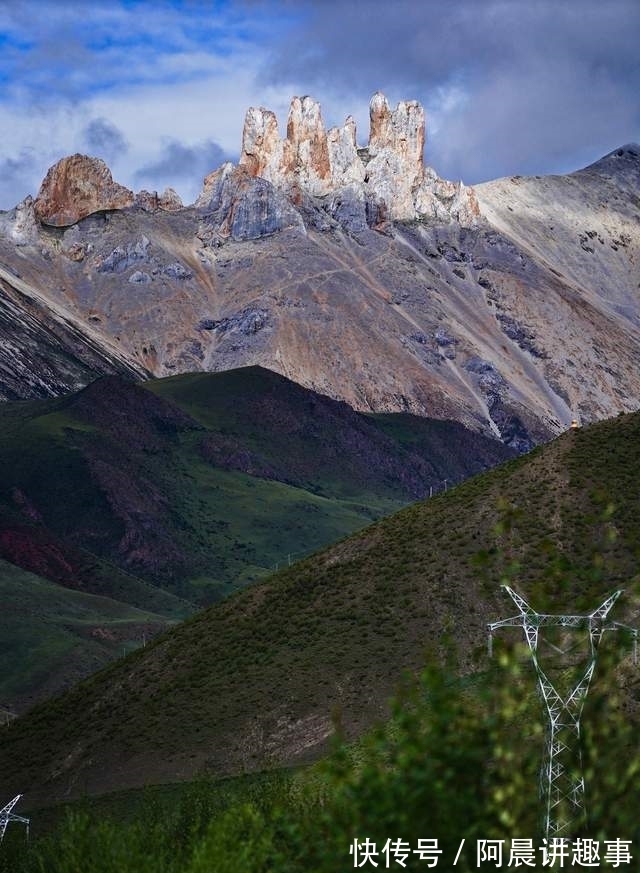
x=508, y=87
x=147, y=115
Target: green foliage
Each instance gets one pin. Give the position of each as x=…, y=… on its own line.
x=456, y=759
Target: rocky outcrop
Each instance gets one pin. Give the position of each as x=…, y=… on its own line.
x=386, y=180
x=20, y=223
x=262, y=149
x=440, y=201
x=240, y=206
x=346, y=165
x=78, y=186
x=74, y=244
x=312, y=177
x=397, y=180
x=402, y=131
x=306, y=151
x=396, y=176
x=122, y=258
x=168, y=201
x=301, y=160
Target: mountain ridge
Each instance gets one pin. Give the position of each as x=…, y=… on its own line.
x=153, y=497
x=513, y=320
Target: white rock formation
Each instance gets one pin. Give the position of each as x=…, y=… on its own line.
x=262, y=148
x=20, y=224
x=389, y=174
x=346, y=166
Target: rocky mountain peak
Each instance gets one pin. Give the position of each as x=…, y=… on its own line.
x=261, y=144
x=75, y=187
x=320, y=162
x=621, y=166
x=347, y=167
x=301, y=160
x=22, y=225
x=384, y=180
x=306, y=152
x=310, y=178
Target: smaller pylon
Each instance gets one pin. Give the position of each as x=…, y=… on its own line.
x=6, y=815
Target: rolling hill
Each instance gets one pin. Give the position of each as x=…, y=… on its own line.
x=52, y=636
x=159, y=498
x=256, y=680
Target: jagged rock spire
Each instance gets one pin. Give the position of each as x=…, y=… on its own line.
x=386, y=180
x=309, y=158
x=318, y=162
x=306, y=152
x=324, y=173
x=262, y=150
x=401, y=130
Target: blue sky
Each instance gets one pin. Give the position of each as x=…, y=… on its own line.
x=160, y=89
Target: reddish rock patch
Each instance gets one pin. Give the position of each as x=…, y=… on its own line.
x=75, y=187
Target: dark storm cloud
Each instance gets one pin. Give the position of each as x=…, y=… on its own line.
x=104, y=139
x=16, y=177
x=510, y=86
x=181, y=163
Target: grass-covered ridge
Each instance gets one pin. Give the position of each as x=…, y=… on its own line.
x=254, y=681
x=51, y=635
x=181, y=491
x=201, y=483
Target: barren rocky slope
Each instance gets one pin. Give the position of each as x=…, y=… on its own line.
x=355, y=272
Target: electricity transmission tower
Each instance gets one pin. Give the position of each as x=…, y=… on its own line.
x=561, y=779
x=6, y=816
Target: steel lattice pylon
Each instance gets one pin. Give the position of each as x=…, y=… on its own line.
x=562, y=782
x=6, y=815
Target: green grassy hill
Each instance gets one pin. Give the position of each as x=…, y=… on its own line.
x=256, y=680
x=177, y=493
x=51, y=636
x=261, y=423
x=201, y=484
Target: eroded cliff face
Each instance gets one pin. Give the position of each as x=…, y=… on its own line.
x=384, y=181
x=311, y=178
x=241, y=206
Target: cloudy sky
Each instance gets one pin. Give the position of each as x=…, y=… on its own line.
x=159, y=89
